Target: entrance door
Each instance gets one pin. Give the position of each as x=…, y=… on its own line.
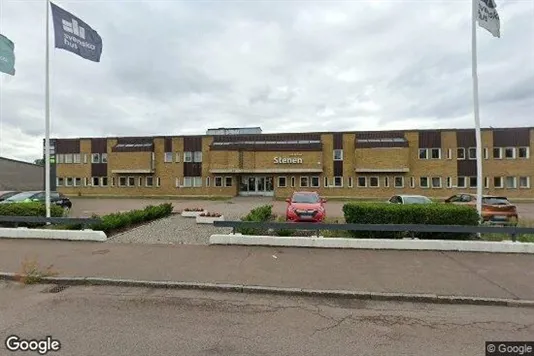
x=256, y=186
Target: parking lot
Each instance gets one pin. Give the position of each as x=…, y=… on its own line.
x=179, y=230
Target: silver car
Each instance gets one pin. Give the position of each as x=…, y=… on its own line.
x=409, y=199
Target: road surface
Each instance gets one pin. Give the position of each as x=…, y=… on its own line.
x=127, y=321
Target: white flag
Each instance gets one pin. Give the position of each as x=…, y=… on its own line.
x=488, y=18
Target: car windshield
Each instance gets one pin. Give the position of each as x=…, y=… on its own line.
x=495, y=201
x=305, y=198
x=21, y=196
x=417, y=200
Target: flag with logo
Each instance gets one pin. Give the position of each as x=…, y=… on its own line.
x=7, y=55
x=488, y=18
x=74, y=35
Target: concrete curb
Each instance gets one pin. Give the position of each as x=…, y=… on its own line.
x=49, y=234
x=374, y=244
x=240, y=288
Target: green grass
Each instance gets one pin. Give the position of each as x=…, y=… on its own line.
x=506, y=237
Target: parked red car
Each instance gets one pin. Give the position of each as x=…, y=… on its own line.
x=305, y=207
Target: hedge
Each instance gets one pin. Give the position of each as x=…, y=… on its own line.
x=424, y=214
x=118, y=221
x=28, y=209
x=262, y=213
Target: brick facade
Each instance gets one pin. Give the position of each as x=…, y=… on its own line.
x=435, y=163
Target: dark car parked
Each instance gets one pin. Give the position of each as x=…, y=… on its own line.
x=39, y=196
x=7, y=194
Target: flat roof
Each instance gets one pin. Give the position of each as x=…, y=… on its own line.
x=18, y=161
x=303, y=132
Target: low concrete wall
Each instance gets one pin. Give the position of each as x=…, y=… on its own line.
x=374, y=244
x=48, y=234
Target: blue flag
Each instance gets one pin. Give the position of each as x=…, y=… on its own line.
x=7, y=55
x=74, y=35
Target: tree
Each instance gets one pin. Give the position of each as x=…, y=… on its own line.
x=39, y=162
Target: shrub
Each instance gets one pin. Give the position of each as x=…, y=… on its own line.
x=211, y=215
x=118, y=221
x=262, y=213
x=432, y=214
x=283, y=232
x=28, y=209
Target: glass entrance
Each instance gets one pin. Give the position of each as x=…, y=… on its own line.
x=256, y=185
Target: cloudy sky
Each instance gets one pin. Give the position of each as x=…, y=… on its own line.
x=181, y=67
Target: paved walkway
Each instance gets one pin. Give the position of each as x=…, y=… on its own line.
x=446, y=274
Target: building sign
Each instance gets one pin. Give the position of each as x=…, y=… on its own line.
x=287, y=160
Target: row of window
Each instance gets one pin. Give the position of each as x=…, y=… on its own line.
x=76, y=158
x=471, y=153
x=188, y=156
x=148, y=181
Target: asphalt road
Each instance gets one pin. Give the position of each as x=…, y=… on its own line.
x=125, y=321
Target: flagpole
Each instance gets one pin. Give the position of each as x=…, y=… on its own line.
x=47, y=112
x=478, y=134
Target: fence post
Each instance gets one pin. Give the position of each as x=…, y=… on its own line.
x=514, y=236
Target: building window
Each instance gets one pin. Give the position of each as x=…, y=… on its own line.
x=362, y=182
x=282, y=182
x=140, y=181
x=460, y=153
x=449, y=182
x=509, y=152
x=435, y=153
x=188, y=156
x=486, y=182
x=104, y=158
x=122, y=182
x=228, y=181
x=412, y=182
x=486, y=153
x=399, y=182
x=524, y=182
x=104, y=182
x=188, y=182
x=168, y=157
x=436, y=182
x=85, y=158
x=197, y=156
x=498, y=182
x=131, y=181
x=60, y=181
x=325, y=181
x=423, y=182
x=95, y=181
x=511, y=182
x=77, y=182
x=207, y=181
x=497, y=152
x=351, y=182
x=77, y=158
x=68, y=158
x=293, y=182
x=304, y=181
x=197, y=181
x=460, y=182
x=218, y=182
x=95, y=158
x=374, y=182
x=423, y=153
x=338, y=155
x=386, y=182
x=178, y=154
x=60, y=158
x=149, y=181
x=338, y=181
x=472, y=153
x=473, y=182
x=523, y=152
x=68, y=182
x=315, y=181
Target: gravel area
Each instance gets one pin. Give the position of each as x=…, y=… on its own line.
x=173, y=230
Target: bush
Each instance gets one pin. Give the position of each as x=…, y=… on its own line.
x=283, y=232
x=262, y=213
x=28, y=209
x=118, y=221
x=432, y=214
